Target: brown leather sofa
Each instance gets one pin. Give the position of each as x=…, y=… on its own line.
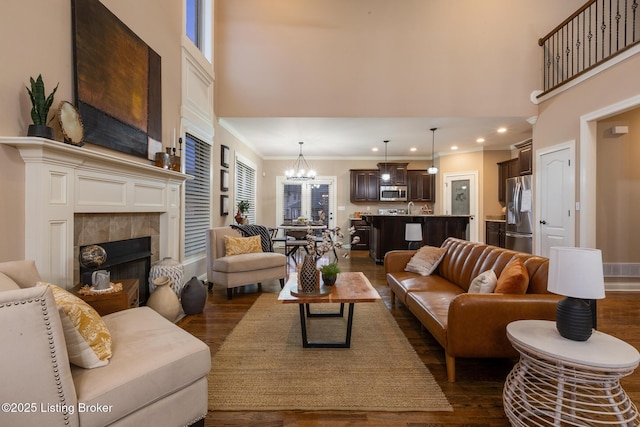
x=469, y=325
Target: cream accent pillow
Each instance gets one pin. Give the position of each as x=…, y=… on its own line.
x=23, y=272
x=87, y=337
x=426, y=260
x=242, y=245
x=6, y=284
x=485, y=283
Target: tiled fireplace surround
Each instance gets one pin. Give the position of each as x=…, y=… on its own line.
x=75, y=196
x=98, y=228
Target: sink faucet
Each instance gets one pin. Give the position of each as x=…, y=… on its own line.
x=409, y=205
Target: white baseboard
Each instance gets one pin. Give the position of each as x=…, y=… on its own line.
x=622, y=286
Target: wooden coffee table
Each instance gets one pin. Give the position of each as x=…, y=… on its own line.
x=351, y=287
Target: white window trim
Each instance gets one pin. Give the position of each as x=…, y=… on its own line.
x=243, y=159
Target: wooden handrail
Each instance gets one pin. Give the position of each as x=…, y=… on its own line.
x=565, y=22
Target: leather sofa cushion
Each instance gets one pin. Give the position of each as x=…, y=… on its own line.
x=248, y=262
x=431, y=307
x=152, y=358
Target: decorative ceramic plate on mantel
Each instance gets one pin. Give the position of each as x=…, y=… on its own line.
x=71, y=124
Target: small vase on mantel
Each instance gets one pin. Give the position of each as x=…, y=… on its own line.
x=308, y=275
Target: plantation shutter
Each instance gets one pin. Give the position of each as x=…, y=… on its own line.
x=246, y=187
x=197, y=195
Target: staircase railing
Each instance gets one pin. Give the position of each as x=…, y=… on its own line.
x=595, y=33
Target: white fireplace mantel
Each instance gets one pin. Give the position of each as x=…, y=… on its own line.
x=62, y=179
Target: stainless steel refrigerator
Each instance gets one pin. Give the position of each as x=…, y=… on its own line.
x=519, y=227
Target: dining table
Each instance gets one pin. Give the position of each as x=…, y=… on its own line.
x=295, y=237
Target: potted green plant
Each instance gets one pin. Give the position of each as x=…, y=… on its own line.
x=330, y=273
x=243, y=209
x=40, y=106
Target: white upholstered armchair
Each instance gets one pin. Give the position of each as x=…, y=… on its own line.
x=232, y=271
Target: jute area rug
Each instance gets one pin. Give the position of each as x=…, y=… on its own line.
x=262, y=366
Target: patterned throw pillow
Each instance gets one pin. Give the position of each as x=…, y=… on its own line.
x=426, y=260
x=514, y=279
x=87, y=337
x=485, y=283
x=242, y=245
x=249, y=230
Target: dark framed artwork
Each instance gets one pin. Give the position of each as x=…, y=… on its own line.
x=224, y=156
x=224, y=180
x=224, y=204
x=117, y=82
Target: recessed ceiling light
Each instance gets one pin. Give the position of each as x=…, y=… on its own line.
x=479, y=140
x=413, y=149
x=454, y=147
x=374, y=149
x=502, y=130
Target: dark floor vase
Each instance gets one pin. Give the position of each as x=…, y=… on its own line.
x=193, y=296
x=41, y=131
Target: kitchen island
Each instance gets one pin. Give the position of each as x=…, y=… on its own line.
x=387, y=231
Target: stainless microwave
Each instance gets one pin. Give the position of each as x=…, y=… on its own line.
x=393, y=193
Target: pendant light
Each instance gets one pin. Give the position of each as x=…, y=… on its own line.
x=300, y=171
x=433, y=169
x=385, y=176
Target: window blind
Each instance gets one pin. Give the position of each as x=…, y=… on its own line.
x=197, y=215
x=246, y=187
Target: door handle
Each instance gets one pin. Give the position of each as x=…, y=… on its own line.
x=543, y=222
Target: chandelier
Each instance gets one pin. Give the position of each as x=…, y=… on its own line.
x=300, y=170
x=433, y=169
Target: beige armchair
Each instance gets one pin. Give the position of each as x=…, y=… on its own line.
x=239, y=270
x=157, y=374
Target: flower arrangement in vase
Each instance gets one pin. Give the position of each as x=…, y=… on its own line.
x=325, y=244
x=243, y=209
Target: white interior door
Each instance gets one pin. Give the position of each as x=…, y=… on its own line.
x=306, y=199
x=461, y=198
x=555, y=198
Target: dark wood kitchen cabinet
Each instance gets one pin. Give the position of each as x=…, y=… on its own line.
x=364, y=185
x=363, y=230
x=421, y=186
x=495, y=233
x=507, y=169
x=525, y=158
x=398, y=172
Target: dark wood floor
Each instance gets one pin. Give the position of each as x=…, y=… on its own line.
x=476, y=396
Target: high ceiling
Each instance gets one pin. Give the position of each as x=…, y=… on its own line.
x=274, y=138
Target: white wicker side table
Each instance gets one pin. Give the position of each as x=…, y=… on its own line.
x=570, y=383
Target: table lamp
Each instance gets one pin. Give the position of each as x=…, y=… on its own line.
x=577, y=274
x=413, y=235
